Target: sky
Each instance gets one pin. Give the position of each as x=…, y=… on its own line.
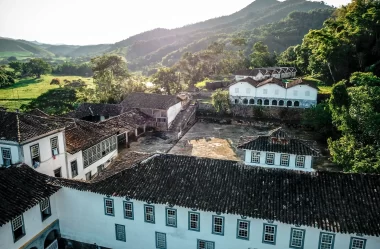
x=85, y=22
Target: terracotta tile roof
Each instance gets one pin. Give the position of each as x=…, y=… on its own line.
x=272, y=81
x=248, y=80
x=301, y=82
x=20, y=127
x=21, y=188
x=82, y=135
x=336, y=202
x=123, y=162
x=128, y=121
x=149, y=101
x=95, y=109
x=331, y=201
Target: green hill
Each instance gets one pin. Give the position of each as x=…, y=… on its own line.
x=165, y=46
x=20, y=48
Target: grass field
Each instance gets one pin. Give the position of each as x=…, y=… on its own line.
x=26, y=90
x=19, y=54
x=325, y=89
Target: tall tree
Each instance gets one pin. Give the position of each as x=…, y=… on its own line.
x=168, y=80
x=260, y=56
x=220, y=100
x=37, y=67
x=110, y=75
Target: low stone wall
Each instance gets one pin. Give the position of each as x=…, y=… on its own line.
x=257, y=112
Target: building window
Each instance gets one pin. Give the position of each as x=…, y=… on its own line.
x=35, y=155
x=307, y=93
x=296, y=238
x=160, y=240
x=245, y=101
x=18, y=228
x=120, y=232
x=57, y=172
x=194, y=221
x=281, y=103
x=204, y=244
x=255, y=157
x=300, y=162
x=74, y=168
x=149, y=213
x=108, y=207
x=274, y=102
x=289, y=103
x=54, y=146
x=242, y=229
x=6, y=155
x=265, y=91
x=284, y=160
x=236, y=90
x=276, y=92
x=248, y=90
x=269, y=234
x=171, y=217
x=236, y=101
x=269, y=158
x=296, y=103
x=266, y=102
x=295, y=93
x=326, y=241
x=100, y=168
x=357, y=243
x=218, y=225
x=88, y=176
x=128, y=210
x=259, y=102
x=96, y=152
x=45, y=209
x=251, y=101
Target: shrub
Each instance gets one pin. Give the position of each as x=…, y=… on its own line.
x=55, y=81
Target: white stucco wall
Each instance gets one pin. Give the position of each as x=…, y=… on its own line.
x=33, y=226
x=89, y=224
x=301, y=89
x=242, y=86
x=271, y=91
x=48, y=163
x=277, y=158
x=15, y=152
x=93, y=167
x=173, y=111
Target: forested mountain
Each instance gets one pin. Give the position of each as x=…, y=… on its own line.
x=22, y=48
x=164, y=47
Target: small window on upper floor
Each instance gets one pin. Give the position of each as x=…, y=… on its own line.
x=54, y=146
x=269, y=158
x=35, y=155
x=295, y=92
x=74, y=168
x=307, y=93
x=6, y=155
x=128, y=210
x=58, y=172
x=284, y=160
x=194, y=221
x=248, y=90
x=255, y=157
x=297, y=237
x=242, y=229
x=357, y=243
x=236, y=90
x=108, y=207
x=149, y=214
x=171, y=217
x=265, y=91
x=300, y=162
x=88, y=176
x=100, y=168
x=45, y=209
x=218, y=225
x=269, y=234
x=326, y=241
x=18, y=228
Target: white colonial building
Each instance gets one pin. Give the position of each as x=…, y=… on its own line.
x=59, y=147
x=171, y=202
x=278, y=150
x=274, y=92
x=260, y=74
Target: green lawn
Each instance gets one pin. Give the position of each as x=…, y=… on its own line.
x=19, y=54
x=28, y=89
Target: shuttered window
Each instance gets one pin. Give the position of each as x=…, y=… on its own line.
x=120, y=232
x=96, y=152
x=160, y=240
x=6, y=155
x=54, y=146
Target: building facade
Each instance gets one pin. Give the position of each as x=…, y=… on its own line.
x=170, y=201
x=273, y=92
